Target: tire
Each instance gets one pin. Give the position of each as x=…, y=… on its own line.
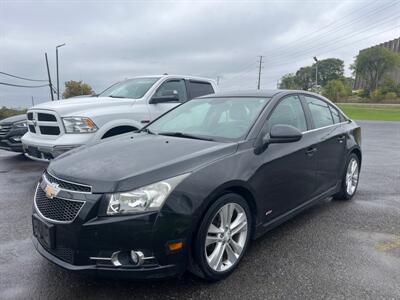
x=231, y=242
x=346, y=193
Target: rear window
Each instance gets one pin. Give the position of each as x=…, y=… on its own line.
x=320, y=112
x=200, y=88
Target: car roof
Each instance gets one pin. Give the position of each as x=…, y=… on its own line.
x=256, y=93
x=188, y=77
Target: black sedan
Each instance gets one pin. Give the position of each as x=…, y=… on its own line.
x=11, y=131
x=193, y=187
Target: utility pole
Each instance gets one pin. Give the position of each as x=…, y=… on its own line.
x=218, y=77
x=316, y=71
x=33, y=101
x=48, y=74
x=259, y=71
x=58, y=81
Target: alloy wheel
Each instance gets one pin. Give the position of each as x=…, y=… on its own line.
x=352, y=176
x=226, y=237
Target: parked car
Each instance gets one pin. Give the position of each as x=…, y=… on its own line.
x=11, y=131
x=192, y=188
x=59, y=126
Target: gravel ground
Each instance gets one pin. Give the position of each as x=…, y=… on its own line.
x=335, y=250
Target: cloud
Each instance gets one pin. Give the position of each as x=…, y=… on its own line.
x=111, y=40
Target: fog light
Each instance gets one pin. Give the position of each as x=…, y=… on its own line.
x=137, y=257
x=114, y=259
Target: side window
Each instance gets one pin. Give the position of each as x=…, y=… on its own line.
x=173, y=87
x=288, y=112
x=199, y=88
x=320, y=112
x=335, y=114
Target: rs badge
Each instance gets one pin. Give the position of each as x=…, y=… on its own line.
x=52, y=190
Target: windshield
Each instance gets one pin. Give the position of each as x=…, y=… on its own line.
x=132, y=88
x=210, y=118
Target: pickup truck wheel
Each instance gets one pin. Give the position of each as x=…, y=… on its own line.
x=118, y=130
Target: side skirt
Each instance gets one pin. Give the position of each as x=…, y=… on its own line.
x=264, y=228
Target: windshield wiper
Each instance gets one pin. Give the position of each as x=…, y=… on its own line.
x=146, y=130
x=112, y=96
x=185, y=135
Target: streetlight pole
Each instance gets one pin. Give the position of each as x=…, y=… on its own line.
x=316, y=71
x=58, y=80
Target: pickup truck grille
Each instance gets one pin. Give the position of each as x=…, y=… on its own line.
x=43, y=123
x=57, y=209
x=4, y=129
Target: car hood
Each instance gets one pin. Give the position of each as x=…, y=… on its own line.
x=13, y=119
x=84, y=106
x=135, y=160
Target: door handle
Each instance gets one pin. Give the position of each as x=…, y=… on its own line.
x=311, y=151
x=341, y=138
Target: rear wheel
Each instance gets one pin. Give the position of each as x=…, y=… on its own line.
x=350, y=179
x=223, y=237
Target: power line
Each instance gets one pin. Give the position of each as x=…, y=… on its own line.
x=23, y=86
x=23, y=78
x=339, y=27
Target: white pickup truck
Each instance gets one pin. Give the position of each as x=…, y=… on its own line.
x=58, y=126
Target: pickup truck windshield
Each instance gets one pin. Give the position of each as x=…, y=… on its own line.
x=219, y=119
x=133, y=88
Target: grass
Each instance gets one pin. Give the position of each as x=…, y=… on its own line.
x=372, y=112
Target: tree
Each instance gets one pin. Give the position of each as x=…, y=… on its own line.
x=288, y=82
x=328, y=69
x=373, y=63
x=334, y=90
x=76, y=88
x=304, y=78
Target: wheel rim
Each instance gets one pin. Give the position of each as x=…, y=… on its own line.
x=226, y=237
x=352, y=176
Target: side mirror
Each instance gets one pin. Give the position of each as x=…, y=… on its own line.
x=284, y=134
x=278, y=134
x=163, y=99
x=166, y=96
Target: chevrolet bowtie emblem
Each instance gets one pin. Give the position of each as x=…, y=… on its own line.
x=52, y=190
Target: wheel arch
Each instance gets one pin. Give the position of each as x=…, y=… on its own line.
x=357, y=151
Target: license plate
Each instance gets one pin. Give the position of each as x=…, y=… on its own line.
x=45, y=233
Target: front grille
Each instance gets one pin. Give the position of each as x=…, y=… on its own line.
x=32, y=129
x=67, y=185
x=33, y=151
x=49, y=130
x=4, y=129
x=46, y=117
x=57, y=209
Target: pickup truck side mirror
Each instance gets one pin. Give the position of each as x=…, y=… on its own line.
x=166, y=96
x=279, y=134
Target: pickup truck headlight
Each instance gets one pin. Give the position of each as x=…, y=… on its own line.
x=147, y=198
x=79, y=125
x=20, y=124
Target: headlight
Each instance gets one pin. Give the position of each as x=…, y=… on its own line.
x=147, y=198
x=79, y=125
x=20, y=124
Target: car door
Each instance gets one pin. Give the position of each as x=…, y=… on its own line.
x=286, y=178
x=330, y=141
x=172, y=86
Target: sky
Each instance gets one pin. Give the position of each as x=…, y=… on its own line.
x=108, y=41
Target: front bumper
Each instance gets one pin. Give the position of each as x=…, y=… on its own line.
x=12, y=141
x=154, y=272
x=87, y=242
x=43, y=148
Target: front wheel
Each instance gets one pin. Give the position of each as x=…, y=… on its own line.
x=223, y=237
x=350, y=179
